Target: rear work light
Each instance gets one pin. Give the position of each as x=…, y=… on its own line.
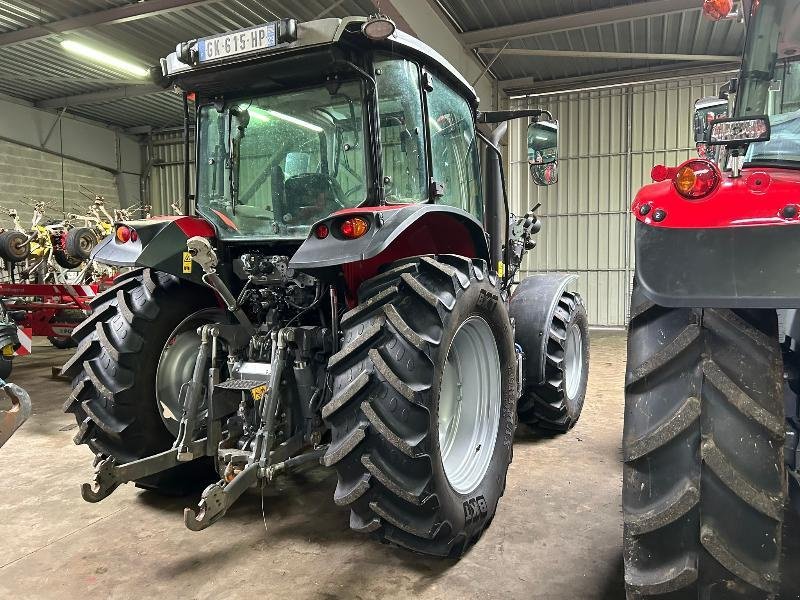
x=696, y=179
x=354, y=228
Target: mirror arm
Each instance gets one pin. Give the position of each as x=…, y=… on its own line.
x=500, y=116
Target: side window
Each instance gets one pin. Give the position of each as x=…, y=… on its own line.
x=402, y=130
x=454, y=149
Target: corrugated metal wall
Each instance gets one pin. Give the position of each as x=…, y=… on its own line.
x=610, y=139
x=166, y=175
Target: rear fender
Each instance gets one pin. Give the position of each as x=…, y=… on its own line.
x=395, y=232
x=160, y=245
x=532, y=307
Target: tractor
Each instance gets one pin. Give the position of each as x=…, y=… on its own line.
x=711, y=413
x=341, y=289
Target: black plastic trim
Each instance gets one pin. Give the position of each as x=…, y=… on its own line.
x=735, y=267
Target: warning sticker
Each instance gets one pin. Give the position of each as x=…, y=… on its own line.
x=187, y=262
x=258, y=392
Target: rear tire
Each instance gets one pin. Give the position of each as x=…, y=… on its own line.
x=394, y=476
x=114, y=371
x=555, y=405
x=704, y=483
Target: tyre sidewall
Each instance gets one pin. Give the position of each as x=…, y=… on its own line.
x=575, y=404
x=470, y=512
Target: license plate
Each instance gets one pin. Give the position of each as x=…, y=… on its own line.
x=237, y=42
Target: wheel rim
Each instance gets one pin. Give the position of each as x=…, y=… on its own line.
x=176, y=367
x=573, y=360
x=469, y=405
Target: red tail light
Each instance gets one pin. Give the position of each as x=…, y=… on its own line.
x=123, y=234
x=321, y=231
x=696, y=179
x=717, y=9
x=354, y=228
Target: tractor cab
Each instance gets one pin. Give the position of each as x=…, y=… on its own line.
x=298, y=121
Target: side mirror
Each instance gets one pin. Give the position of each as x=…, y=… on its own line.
x=543, y=152
x=706, y=111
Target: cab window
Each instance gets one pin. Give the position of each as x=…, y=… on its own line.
x=402, y=131
x=454, y=149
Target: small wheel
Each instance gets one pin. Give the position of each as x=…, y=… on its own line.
x=14, y=246
x=80, y=242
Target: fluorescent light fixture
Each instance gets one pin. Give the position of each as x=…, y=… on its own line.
x=255, y=113
x=263, y=115
x=295, y=121
x=105, y=59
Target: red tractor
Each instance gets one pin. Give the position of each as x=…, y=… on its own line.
x=341, y=290
x=711, y=413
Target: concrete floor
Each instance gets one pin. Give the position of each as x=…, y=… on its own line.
x=557, y=533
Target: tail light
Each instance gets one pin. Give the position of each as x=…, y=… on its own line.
x=716, y=10
x=321, y=231
x=696, y=179
x=354, y=228
x=125, y=234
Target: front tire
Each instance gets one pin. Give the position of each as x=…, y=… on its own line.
x=114, y=370
x=422, y=329
x=704, y=478
x=554, y=406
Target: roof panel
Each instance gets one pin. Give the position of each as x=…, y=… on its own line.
x=40, y=69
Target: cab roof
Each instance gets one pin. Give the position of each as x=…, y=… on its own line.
x=310, y=35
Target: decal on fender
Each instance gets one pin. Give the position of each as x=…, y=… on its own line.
x=258, y=392
x=187, y=262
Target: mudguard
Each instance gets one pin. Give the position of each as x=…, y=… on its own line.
x=160, y=244
x=735, y=267
x=532, y=307
x=436, y=229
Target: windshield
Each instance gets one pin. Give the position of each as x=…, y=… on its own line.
x=770, y=79
x=270, y=166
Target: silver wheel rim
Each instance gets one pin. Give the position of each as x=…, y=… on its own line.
x=176, y=366
x=573, y=360
x=469, y=405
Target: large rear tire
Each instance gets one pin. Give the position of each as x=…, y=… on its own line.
x=704, y=478
x=114, y=370
x=421, y=458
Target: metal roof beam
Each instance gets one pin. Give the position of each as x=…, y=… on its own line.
x=100, y=97
x=611, y=55
x=119, y=14
x=527, y=85
x=591, y=18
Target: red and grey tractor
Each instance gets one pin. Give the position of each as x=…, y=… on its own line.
x=711, y=413
x=339, y=291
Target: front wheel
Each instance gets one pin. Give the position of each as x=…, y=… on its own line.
x=704, y=482
x=423, y=407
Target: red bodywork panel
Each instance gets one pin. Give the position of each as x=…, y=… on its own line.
x=434, y=234
x=191, y=226
x=758, y=197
